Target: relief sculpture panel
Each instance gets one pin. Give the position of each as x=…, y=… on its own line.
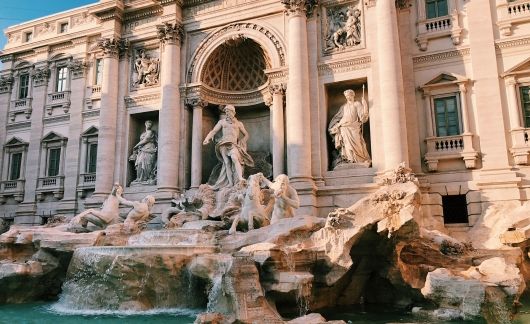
x=342, y=27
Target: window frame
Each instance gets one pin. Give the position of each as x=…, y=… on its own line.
x=456, y=95
x=437, y=8
x=63, y=24
x=522, y=116
x=14, y=146
x=11, y=171
x=28, y=36
x=62, y=79
x=27, y=77
x=58, y=161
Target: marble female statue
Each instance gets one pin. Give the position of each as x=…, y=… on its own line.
x=144, y=156
x=230, y=148
x=284, y=199
x=346, y=130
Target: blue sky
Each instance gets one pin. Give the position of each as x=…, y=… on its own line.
x=14, y=12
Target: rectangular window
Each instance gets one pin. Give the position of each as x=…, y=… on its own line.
x=446, y=114
x=92, y=157
x=436, y=8
x=15, y=165
x=63, y=28
x=54, y=160
x=62, y=76
x=23, y=87
x=525, y=104
x=28, y=36
x=99, y=72
x=455, y=209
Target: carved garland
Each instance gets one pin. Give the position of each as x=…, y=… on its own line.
x=238, y=27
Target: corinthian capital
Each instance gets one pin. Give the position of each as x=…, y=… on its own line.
x=277, y=89
x=299, y=7
x=113, y=47
x=170, y=33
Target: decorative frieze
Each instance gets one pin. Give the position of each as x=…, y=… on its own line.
x=6, y=81
x=169, y=33
x=513, y=43
x=299, y=7
x=131, y=102
x=19, y=125
x=40, y=76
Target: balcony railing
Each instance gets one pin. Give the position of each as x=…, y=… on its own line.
x=87, y=180
x=437, y=24
x=21, y=104
x=51, y=182
x=451, y=148
x=512, y=13
x=96, y=89
x=57, y=98
x=10, y=186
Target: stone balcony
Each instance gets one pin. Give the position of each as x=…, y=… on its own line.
x=511, y=14
x=13, y=188
x=96, y=91
x=20, y=106
x=450, y=148
x=439, y=27
x=87, y=181
x=58, y=99
x=53, y=185
x=520, y=145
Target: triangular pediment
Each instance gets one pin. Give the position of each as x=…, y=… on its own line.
x=523, y=67
x=91, y=131
x=53, y=136
x=445, y=78
x=15, y=141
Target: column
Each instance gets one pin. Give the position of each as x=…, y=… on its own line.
x=277, y=129
x=465, y=113
x=170, y=36
x=196, y=141
x=107, y=117
x=513, y=107
x=391, y=103
x=298, y=105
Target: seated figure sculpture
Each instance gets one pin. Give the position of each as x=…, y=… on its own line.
x=252, y=211
x=284, y=198
x=107, y=215
x=139, y=215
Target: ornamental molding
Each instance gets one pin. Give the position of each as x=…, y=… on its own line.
x=277, y=75
x=91, y=113
x=113, y=47
x=56, y=119
x=196, y=103
x=299, y=7
x=19, y=125
x=358, y=63
x=40, y=76
x=512, y=43
x=6, y=81
x=77, y=67
x=239, y=28
x=144, y=13
x=141, y=100
x=441, y=56
x=216, y=97
x=169, y=33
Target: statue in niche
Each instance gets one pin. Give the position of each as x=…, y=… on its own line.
x=107, y=215
x=144, y=156
x=147, y=69
x=343, y=28
x=230, y=149
x=346, y=130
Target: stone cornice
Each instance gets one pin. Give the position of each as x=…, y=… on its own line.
x=56, y=119
x=441, y=56
x=108, y=10
x=356, y=63
x=19, y=125
x=144, y=13
x=169, y=33
x=299, y=7
x=136, y=101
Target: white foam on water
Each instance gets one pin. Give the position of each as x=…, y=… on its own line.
x=62, y=310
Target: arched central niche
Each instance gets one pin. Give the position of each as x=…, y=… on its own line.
x=233, y=73
x=237, y=65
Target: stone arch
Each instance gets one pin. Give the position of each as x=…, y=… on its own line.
x=268, y=39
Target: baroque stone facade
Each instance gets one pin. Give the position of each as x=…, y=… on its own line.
x=446, y=89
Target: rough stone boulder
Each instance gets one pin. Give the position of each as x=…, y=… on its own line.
x=34, y=260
